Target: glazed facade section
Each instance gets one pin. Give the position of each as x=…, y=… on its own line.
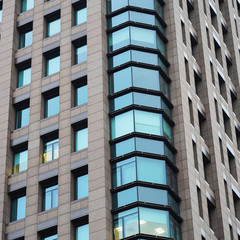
x=144, y=187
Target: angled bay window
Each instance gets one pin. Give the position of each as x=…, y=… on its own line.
x=24, y=73
x=25, y=33
x=113, y=5
x=52, y=60
x=140, y=121
x=53, y=24
x=22, y=114
x=80, y=50
x=80, y=135
x=136, y=36
x=138, y=77
x=143, y=169
x=80, y=12
x=142, y=145
x=26, y=5
x=146, y=221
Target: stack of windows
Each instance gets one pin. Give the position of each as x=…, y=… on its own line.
x=145, y=200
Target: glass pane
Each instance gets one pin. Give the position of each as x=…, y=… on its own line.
x=50, y=197
x=51, y=150
x=150, y=146
x=142, y=17
x=147, y=100
x=120, y=59
x=149, y=4
x=53, y=65
x=18, y=208
x=52, y=106
x=146, y=78
x=154, y=222
x=25, y=39
x=143, y=37
x=53, y=237
x=82, y=232
x=151, y=170
x=53, y=27
x=81, y=16
x=125, y=197
x=81, y=54
x=20, y=161
x=0, y=15
x=22, y=118
x=119, y=39
x=117, y=20
x=121, y=80
x=131, y=225
x=81, y=139
x=81, y=95
x=122, y=124
x=113, y=5
x=121, y=102
x=27, y=4
x=144, y=57
x=82, y=186
x=24, y=77
x=147, y=122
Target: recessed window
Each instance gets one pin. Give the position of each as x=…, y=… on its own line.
x=27, y=5
x=53, y=24
x=24, y=73
x=81, y=136
x=20, y=161
x=50, y=197
x=53, y=237
x=80, y=91
x=1, y=11
x=80, y=11
x=18, y=208
x=81, y=186
x=52, y=62
x=80, y=50
x=82, y=232
x=22, y=114
x=51, y=106
x=25, y=38
x=50, y=150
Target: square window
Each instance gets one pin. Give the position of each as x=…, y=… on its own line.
x=27, y=5
x=25, y=39
x=52, y=65
x=22, y=117
x=18, y=208
x=82, y=232
x=20, y=161
x=53, y=26
x=50, y=150
x=50, y=197
x=51, y=106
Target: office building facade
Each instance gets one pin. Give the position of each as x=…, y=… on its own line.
x=120, y=119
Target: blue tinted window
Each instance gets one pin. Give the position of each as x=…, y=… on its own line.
x=50, y=197
x=82, y=232
x=81, y=139
x=25, y=39
x=20, y=161
x=53, y=237
x=81, y=54
x=51, y=150
x=52, y=106
x=81, y=186
x=81, y=95
x=0, y=15
x=24, y=77
x=81, y=16
x=27, y=5
x=18, y=208
x=113, y=5
x=53, y=65
x=53, y=27
x=22, y=118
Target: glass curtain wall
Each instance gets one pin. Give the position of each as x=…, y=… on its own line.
x=141, y=125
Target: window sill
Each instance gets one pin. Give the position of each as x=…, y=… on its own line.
x=47, y=211
x=17, y=221
x=79, y=200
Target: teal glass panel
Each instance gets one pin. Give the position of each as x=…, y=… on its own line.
x=119, y=19
x=171, y=179
x=81, y=54
x=53, y=237
x=81, y=95
x=119, y=59
x=18, y=208
x=114, y=5
x=175, y=231
x=22, y=118
x=121, y=102
x=143, y=37
x=53, y=27
x=82, y=232
x=81, y=16
x=51, y=150
x=122, y=124
x=81, y=139
x=142, y=18
x=0, y=15
x=20, y=161
x=50, y=197
x=158, y=8
x=53, y=65
x=144, y=57
x=125, y=197
x=27, y=5
x=124, y=172
x=147, y=100
x=24, y=77
x=151, y=170
x=154, y=222
x=150, y=146
x=25, y=39
x=147, y=122
x=123, y=147
x=120, y=80
x=146, y=78
x=81, y=186
x=149, y=4
x=119, y=39
x=52, y=106
x=161, y=46
x=167, y=130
